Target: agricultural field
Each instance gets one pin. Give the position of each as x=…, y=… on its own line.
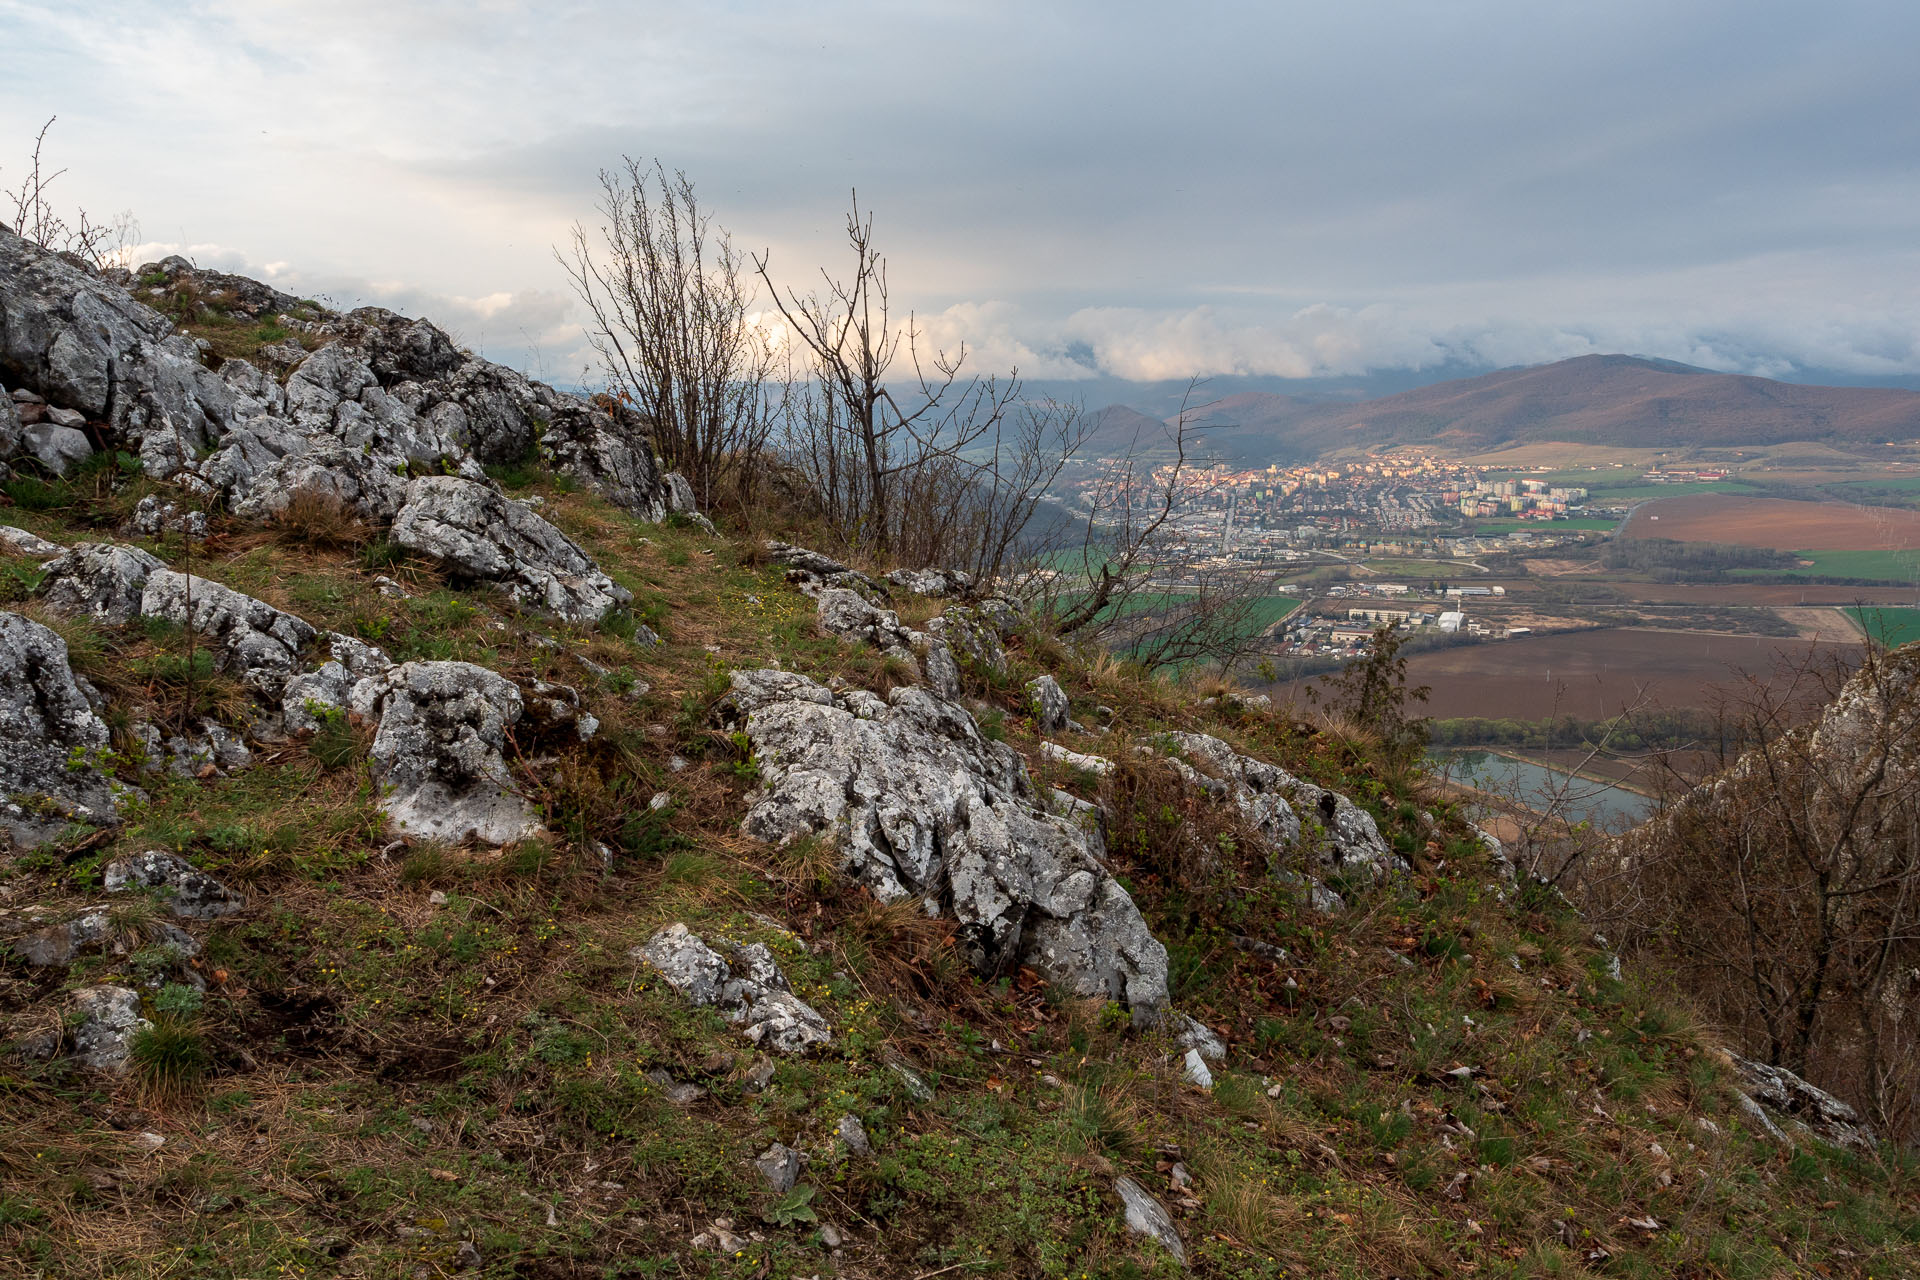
x=1777, y=523
x=1891, y=627
x=1589, y=524
x=1595, y=674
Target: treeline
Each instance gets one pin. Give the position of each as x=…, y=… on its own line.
x=1654, y=730
x=1666, y=560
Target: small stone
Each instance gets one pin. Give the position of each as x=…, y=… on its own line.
x=1179, y=1176
x=67, y=418
x=917, y=1088
x=659, y=801
x=149, y=1141
x=466, y=1257
x=677, y=764
x=853, y=1135
x=780, y=1165
x=438, y=898
x=831, y=1237
x=1196, y=1072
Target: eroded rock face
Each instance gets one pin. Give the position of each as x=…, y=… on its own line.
x=437, y=753
x=99, y=580
x=87, y=345
x=50, y=737
x=750, y=989
x=941, y=584
x=347, y=406
x=475, y=532
x=923, y=804
x=252, y=640
x=18, y=542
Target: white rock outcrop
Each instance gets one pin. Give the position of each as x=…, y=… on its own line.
x=476, y=533
x=922, y=804
x=437, y=754
x=750, y=989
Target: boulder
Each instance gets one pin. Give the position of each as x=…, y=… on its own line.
x=212, y=751
x=614, y=459
x=18, y=542
x=50, y=736
x=10, y=426
x=104, y=581
x=253, y=641
x=1048, y=702
x=922, y=804
x=476, y=533
x=750, y=989
x=438, y=752
x=153, y=518
x=940, y=584
x=59, y=449
x=190, y=894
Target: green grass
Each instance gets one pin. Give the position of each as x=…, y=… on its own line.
x=1890, y=626
x=1636, y=492
x=1874, y=566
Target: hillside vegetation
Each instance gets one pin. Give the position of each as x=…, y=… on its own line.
x=1028, y=963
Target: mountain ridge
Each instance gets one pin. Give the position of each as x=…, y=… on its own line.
x=1630, y=401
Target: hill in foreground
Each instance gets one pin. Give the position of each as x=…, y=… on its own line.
x=497, y=871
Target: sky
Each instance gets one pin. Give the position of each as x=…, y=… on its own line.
x=1086, y=191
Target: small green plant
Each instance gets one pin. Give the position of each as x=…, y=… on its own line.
x=178, y=998
x=795, y=1206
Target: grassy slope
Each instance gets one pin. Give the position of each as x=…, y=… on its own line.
x=391, y=1076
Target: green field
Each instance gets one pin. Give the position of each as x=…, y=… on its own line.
x=1637, y=492
x=1397, y=567
x=1899, y=567
x=1890, y=626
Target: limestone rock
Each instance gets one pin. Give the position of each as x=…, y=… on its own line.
x=49, y=737
x=437, y=753
x=153, y=518
x=253, y=641
x=99, y=580
x=1804, y=1107
x=106, y=1020
x=780, y=1165
x=1048, y=702
x=853, y=1136
x=923, y=804
x=1195, y=1072
x=612, y=458
x=479, y=534
x=18, y=542
x=1099, y=766
x=59, y=449
x=749, y=989
x=85, y=344
x=187, y=893
x=1265, y=794
x=940, y=584
x=1147, y=1217
x=1200, y=1038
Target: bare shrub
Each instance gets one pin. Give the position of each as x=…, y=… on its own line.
x=35, y=218
x=669, y=301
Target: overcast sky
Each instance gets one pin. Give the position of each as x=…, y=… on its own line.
x=1133, y=190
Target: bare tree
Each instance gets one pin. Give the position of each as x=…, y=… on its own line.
x=670, y=306
x=911, y=458
x=35, y=218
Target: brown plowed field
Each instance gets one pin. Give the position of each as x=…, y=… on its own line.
x=1593, y=674
x=1775, y=522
